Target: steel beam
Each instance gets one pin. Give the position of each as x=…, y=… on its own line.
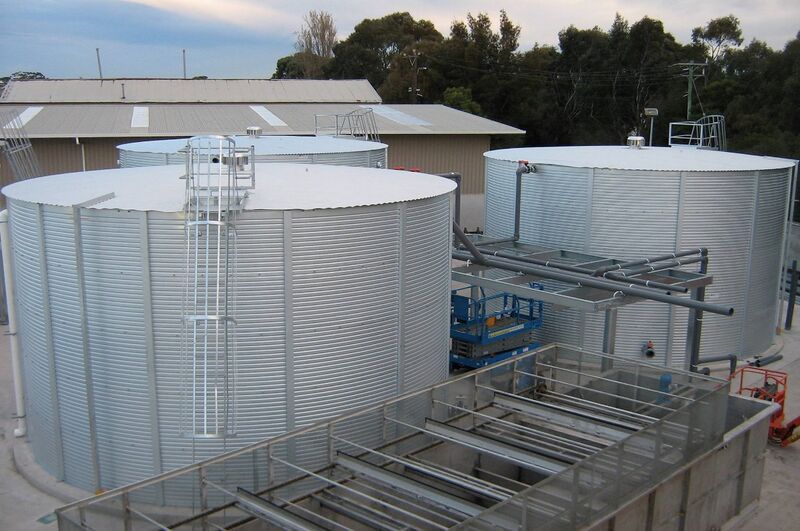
x=540, y=464
x=402, y=483
x=271, y=513
x=543, y=411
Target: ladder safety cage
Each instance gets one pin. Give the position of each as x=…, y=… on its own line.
x=218, y=178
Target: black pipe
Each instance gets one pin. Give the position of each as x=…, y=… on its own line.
x=694, y=330
x=522, y=168
x=617, y=277
x=792, y=295
x=583, y=280
x=476, y=254
x=731, y=358
x=641, y=261
x=456, y=177
x=766, y=360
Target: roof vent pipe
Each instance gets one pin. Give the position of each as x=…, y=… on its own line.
x=635, y=142
x=254, y=131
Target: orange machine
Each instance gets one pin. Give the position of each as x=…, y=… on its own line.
x=770, y=386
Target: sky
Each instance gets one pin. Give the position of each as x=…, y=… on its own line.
x=244, y=38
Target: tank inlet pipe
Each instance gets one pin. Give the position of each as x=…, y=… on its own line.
x=16, y=365
x=582, y=280
x=523, y=167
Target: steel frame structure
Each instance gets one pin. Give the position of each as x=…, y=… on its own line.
x=549, y=437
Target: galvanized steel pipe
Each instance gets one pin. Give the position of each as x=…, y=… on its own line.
x=587, y=280
x=16, y=362
x=619, y=277
x=641, y=261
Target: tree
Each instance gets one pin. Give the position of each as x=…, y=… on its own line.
x=718, y=36
x=317, y=36
x=315, y=42
x=289, y=67
x=375, y=46
x=461, y=98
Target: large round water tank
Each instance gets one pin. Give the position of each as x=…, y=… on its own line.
x=629, y=203
x=294, y=149
x=342, y=300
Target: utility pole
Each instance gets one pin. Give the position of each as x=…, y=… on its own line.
x=413, y=60
x=690, y=76
x=184, y=63
x=99, y=67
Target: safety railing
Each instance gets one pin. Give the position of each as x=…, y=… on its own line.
x=674, y=416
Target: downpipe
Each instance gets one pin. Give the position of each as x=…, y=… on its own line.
x=16, y=363
x=523, y=167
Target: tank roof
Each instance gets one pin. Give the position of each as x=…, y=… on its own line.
x=648, y=158
x=278, y=187
x=267, y=145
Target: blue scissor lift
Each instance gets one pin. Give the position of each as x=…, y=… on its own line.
x=487, y=329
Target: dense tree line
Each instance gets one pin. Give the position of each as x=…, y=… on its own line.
x=590, y=89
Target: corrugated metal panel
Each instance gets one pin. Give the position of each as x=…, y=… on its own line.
x=717, y=211
x=189, y=90
x=345, y=274
x=767, y=243
x=68, y=345
x=500, y=197
x=368, y=158
x=111, y=246
x=42, y=420
x=344, y=319
x=634, y=213
x=426, y=292
x=110, y=120
x=440, y=154
x=555, y=206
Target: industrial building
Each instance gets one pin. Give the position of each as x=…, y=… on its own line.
x=76, y=124
x=278, y=331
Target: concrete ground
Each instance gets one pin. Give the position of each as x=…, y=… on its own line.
x=24, y=506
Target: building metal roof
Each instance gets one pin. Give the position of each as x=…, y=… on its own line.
x=189, y=91
x=277, y=187
x=646, y=159
x=86, y=120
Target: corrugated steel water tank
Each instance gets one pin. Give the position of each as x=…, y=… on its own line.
x=293, y=149
x=342, y=300
x=632, y=203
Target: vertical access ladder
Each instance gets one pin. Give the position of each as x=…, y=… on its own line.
x=218, y=177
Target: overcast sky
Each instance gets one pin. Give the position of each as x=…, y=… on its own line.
x=244, y=38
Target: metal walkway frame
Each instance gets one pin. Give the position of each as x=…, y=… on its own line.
x=575, y=296
x=549, y=436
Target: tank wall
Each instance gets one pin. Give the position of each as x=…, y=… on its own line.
x=335, y=309
x=367, y=159
x=739, y=216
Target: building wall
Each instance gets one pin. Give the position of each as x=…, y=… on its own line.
x=441, y=153
x=63, y=155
